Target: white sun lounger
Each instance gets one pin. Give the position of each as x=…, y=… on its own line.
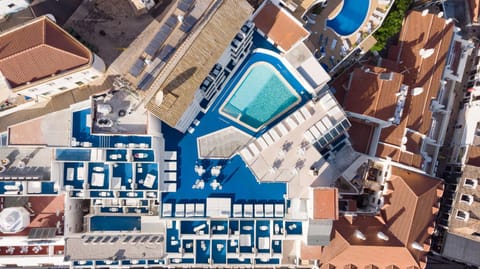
x=310, y=138
x=261, y=143
x=345, y=44
x=268, y=138
x=170, y=176
x=171, y=155
x=199, y=210
x=327, y=122
x=167, y=210
x=70, y=172
x=273, y=133
x=248, y=211
x=279, y=210
x=180, y=210
x=291, y=123
x=170, y=166
x=237, y=210
x=259, y=211
x=298, y=116
x=268, y=210
x=305, y=112
x=254, y=149
x=170, y=187
x=283, y=130
x=315, y=132
x=190, y=210
x=321, y=127
x=246, y=154
x=333, y=44
x=374, y=20
x=378, y=13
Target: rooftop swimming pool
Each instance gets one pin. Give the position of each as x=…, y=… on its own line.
x=260, y=96
x=115, y=223
x=350, y=18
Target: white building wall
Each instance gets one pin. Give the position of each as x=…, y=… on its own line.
x=12, y=6
x=68, y=81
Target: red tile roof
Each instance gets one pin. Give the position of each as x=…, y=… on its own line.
x=473, y=156
x=360, y=135
x=325, y=203
x=405, y=218
x=373, y=97
x=279, y=26
x=38, y=50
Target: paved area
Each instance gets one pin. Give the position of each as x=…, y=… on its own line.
x=61, y=9
x=109, y=26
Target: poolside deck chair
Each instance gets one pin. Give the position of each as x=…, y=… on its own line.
x=190, y=210
x=279, y=210
x=327, y=122
x=374, y=20
x=345, y=44
x=254, y=149
x=308, y=135
x=261, y=143
x=273, y=133
x=291, y=123
x=282, y=129
x=306, y=112
x=315, y=132
x=269, y=210
x=246, y=154
x=321, y=127
x=268, y=138
x=171, y=155
x=259, y=211
x=180, y=210
x=379, y=14
x=170, y=176
x=199, y=210
x=167, y=210
x=299, y=117
x=248, y=210
x=333, y=44
x=237, y=210
x=170, y=166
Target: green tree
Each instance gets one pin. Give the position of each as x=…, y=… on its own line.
x=392, y=24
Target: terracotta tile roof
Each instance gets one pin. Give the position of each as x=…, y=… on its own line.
x=360, y=135
x=373, y=97
x=39, y=50
x=325, y=203
x=386, y=150
x=405, y=219
x=279, y=26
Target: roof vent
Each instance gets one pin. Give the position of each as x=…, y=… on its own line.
x=382, y=236
x=417, y=246
x=360, y=235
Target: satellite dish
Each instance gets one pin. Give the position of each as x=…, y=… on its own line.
x=449, y=20
x=417, y=91
x=440, y=14
x=425, y=12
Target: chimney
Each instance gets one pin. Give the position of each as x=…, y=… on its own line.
x=360, y=235
x=382, y=236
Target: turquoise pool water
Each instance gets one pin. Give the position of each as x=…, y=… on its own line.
x=260, y=96
x=350, y=18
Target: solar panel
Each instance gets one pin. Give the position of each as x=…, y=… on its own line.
x=137, y=67
x=145, y=82
x=185, y=5
x=42, y=233
x=188, y=23
x=158, y=40
x=166, y=52
x=172, y=21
